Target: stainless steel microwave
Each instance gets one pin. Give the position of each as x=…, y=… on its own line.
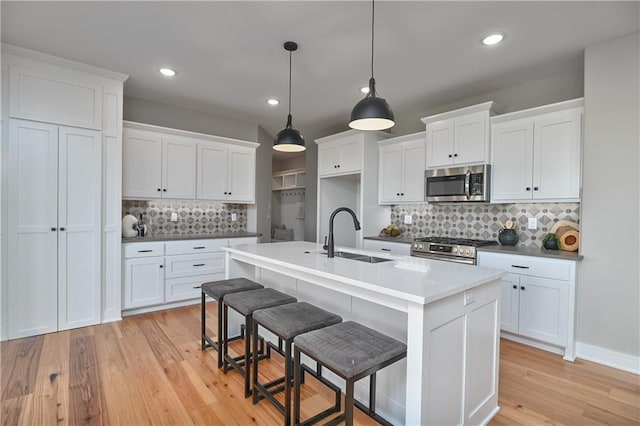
x=458, y=184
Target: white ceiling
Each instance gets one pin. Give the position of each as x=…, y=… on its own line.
x=230, y=59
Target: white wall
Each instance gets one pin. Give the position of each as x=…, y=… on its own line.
x=290, y=162
x=263, y=185
x=609, y=291
x=144, y=111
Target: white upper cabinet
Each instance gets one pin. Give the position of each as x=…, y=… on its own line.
x=226, y=172
x=178, y=167
x=141, y=164
x=536, y=154
x=401, y=169
x=174, y=164
x=340, y=156
x=459, y=137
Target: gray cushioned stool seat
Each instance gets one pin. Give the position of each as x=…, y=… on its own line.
x=247, y=302
x=219, y=289
x=287, y=321
x=349, y=348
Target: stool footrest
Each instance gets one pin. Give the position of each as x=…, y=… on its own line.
x=337, y=406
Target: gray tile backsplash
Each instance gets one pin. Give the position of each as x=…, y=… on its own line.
x=482, y=221
x=194, y=217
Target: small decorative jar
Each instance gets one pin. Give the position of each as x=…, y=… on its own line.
x=508, y=237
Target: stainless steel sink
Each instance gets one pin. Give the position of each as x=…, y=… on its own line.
x=361, y=257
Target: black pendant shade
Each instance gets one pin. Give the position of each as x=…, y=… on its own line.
x=289, y=139
x=372, y=112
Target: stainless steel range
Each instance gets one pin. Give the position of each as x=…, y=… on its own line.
x=460, y=250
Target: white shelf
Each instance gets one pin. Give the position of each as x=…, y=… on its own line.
x=288, y=179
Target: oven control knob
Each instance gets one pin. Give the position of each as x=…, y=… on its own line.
x=415, y=245
x=420, y=246
x=467, y=251
x=455, y=250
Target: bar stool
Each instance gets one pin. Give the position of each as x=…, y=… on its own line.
x=218, y=290
x=287, y=322
x=246, y=303
x=352, y=351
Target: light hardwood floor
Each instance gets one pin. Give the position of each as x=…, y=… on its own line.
x=149, y=369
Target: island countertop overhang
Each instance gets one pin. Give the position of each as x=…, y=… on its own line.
x=414, y=280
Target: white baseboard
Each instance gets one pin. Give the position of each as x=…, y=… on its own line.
x=607, y=357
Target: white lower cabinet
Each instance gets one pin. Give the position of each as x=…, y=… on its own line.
x=157, y=273
x=143, y=282
x=537, y=298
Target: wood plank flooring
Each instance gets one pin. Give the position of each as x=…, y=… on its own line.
x=149, y=369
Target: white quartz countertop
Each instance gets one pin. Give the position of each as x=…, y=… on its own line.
x=413, y=279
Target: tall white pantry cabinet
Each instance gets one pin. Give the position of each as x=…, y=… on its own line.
x=61, y=193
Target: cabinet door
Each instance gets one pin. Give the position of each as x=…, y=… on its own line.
x=32, y=228
x=327, y=159
x=212, y=172
x=509, y=303
x=556, y=156
x=512, y=159
x=178, y=168
x=413, y=171
x=439, y=143
x=79, y=224
x=141, y=164
x=390, y=177
x=544, y=306
x=470, y=133
x=143, y=282
x=241, y=178
x=350, y=155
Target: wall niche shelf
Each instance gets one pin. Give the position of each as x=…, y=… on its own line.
x=288, y=179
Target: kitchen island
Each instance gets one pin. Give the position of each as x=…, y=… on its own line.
x=447, y=314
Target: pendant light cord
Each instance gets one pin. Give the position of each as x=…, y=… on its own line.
x=289, y=82
x=373, y=18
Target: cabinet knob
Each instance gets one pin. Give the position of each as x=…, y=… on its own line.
x=515, y=287
x=528, y=188
x=522, y=287
x=450, y=155
x=162, y=266
x=53, y=229
x=62, y=229
x=397, y=193
x=535, y=188
x=455, y=155
x=338, y=165
x=229, y=194
x=225, y=192
x=164, y=190
x=402, y=193
x=159, y=189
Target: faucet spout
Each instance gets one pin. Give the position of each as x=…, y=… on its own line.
x=356, y=224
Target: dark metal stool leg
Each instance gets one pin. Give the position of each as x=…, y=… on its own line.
x=287, y=382
x=220, y=326
x=203, y=325
x=372, y=394
x=348, y=404
x=254, y=339
x=225, y=339
x=297, y=372
x=247, y=355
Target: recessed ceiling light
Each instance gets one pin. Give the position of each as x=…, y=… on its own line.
x=167, y=72
x=273, y=101
x=364, y=89
x=492, y=39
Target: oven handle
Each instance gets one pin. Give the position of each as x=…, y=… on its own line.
x=467, y=261
x=467, y=184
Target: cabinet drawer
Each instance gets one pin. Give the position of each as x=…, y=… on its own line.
x=527, y=265
x=194, y=246
x=398, y=249
x=242, y=240
x=143, y=250
x=177, y=289
x=190, y=265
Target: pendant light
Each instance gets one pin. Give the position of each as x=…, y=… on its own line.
x=289, y=139
x=372, y=112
